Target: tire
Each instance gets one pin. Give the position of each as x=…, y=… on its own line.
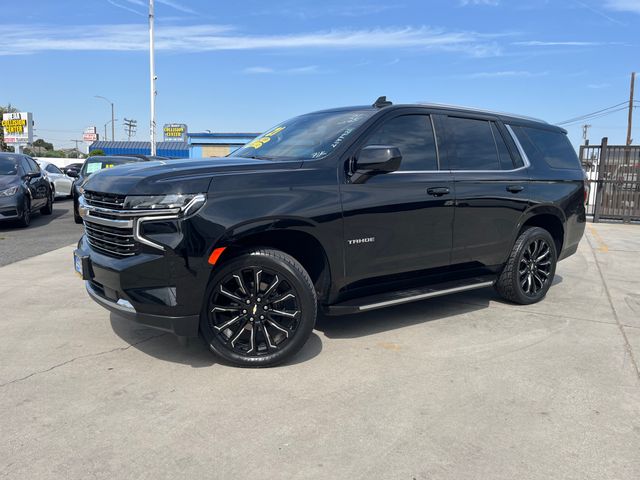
x=261, y=327
x=48, y=208
x=530, y=269
x=25, y=219
x=76, y=216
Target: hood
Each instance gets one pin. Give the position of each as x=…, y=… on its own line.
x=175, y=176
x=7, y=181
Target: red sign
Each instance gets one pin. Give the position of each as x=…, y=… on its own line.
x=89, y=137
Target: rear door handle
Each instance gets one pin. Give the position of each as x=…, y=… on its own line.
x=438, y=191
x=515, y=188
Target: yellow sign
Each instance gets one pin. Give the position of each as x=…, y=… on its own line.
x=265, y=138
x=14, y=126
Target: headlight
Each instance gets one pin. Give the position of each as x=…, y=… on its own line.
x=163, y=202
x=9, y=192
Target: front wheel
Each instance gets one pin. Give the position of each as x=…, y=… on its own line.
x=25, y=218
x=259, y=310
x=530, y=269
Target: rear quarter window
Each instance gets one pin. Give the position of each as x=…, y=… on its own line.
x=548, y=146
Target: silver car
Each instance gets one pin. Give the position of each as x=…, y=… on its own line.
x=60, y=182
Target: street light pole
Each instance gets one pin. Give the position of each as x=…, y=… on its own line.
x=113, y=117
x=152, y=75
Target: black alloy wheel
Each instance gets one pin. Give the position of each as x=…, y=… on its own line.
x=535, y=266
x=260, y=309
x=530, y=268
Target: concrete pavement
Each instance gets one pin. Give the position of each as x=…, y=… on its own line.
x=462, y=387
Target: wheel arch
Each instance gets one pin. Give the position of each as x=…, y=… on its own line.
x=294, y=236
x=549, y=217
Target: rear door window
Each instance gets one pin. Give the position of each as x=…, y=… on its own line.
x=506, y=162
x=548, y=146
x=472, y=145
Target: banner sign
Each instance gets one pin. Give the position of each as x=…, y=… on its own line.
x=175, y=132
x=90, y=135
x=18, y=127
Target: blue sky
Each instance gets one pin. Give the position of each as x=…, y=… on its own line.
x=246, y=65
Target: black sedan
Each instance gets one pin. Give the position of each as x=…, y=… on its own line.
x=23, y=189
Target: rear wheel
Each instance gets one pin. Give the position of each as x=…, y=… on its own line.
x=259, y=310
x=530, y=269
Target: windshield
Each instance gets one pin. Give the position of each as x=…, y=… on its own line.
x=310, y=136
x=95, y=164
x=8, y=166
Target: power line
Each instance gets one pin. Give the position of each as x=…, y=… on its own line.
x=587, y=115
x=593, y=117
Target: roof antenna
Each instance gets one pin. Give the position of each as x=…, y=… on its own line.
x=382, y=102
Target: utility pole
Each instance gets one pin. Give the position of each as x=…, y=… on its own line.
x=585, y=133
x=630, y=119
x=113, y=118
x=130, y=127
x=152, y=75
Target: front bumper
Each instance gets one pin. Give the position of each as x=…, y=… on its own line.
x=184, y=326
x=9, y=208
x=149, y=289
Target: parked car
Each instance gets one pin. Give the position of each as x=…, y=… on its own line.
x=61, y=183
x=345, y=210
x=148, y=158
x=23, y=189
x=71, y=166
x=90, y=166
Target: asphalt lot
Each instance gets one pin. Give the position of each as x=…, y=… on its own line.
x=462, y=387
x=46, y=233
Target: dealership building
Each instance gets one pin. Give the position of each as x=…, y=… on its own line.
x=188, y=145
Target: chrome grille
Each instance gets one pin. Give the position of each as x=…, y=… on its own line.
x=104, y=200
x=116, y=242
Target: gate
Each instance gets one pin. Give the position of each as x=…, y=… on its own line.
x=613, y=175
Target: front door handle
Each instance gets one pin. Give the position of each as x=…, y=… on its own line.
x=438, y=191
x=515, y=188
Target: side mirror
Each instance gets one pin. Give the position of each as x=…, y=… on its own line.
x=374, y=160
x=31, y=175
x=72, y=173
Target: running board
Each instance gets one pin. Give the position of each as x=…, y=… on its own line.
x=390, y=299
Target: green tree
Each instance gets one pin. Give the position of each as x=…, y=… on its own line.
x=42, y=143
x=96, y=152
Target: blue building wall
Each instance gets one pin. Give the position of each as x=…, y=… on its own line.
x=164, y=149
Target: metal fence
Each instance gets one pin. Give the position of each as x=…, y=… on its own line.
x=613, y=173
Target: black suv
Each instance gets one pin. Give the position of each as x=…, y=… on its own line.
x=346, y=210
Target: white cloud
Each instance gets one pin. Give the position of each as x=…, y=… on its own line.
x=145, y=5
x=623, y=5
x=541, y=43
x=25, y=39
x=598, y=86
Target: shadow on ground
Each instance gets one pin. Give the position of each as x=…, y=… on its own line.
x=192, y=351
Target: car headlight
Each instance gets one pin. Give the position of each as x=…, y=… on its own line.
x=9, y=192
x=185, y=202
